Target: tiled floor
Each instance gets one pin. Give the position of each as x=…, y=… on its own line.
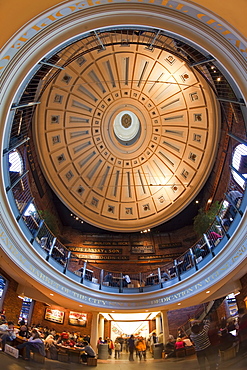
x=9, y=363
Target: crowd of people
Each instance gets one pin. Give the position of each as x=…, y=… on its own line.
x=42, y=340
x=133, y=344
x=206, y=338
x=209, y=339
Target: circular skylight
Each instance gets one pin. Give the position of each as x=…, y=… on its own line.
x=126, y=125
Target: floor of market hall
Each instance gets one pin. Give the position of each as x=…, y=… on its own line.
x=10, y=363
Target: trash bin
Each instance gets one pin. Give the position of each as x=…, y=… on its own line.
x=158, y=348
x=103, y=351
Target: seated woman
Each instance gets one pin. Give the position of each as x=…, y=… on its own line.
x=50, y=346
x=34, y=344
x=179, y=344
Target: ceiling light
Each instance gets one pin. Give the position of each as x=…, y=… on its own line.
x=80, y=305
x=179, y=304
x=208, y=291
x=52, y=294
x=218, y=79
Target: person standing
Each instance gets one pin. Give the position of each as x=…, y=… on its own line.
x=126, y=280
x=203, y=347
x=131, y=345
x=141, y=348
x=117, y=349
x=153, y=341
x=110, y=346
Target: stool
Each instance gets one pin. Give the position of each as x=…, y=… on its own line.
x=229, y=353
x=92, y=361
x=190, y=351
x=37, y=357
x=180, y=352
x=63, y=357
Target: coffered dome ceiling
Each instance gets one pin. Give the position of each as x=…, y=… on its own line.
x=126, y=136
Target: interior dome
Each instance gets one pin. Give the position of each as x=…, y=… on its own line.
x=127, y=134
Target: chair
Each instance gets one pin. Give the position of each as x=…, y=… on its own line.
x=190, y=350
x=37, y=357
x=181, y=352
x=229, y=353
x=92, y=361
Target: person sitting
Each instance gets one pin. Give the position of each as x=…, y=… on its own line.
x=165, y=276
x=227, y=340
x=213, y=236
x=34, y=344
x=198, y=251
x=109, y=279
x=179, y=344
x=170, y=347
x=126, y=280
x=7, y=333
x=88, y=352
x=23, y=331
x=187, y=342
x=50, y=346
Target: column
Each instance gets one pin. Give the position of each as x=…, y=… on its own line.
x=101, y=326
x=94, y=330
x=165, y=327
x=158, y=325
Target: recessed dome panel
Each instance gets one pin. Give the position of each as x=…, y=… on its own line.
x=127, y=137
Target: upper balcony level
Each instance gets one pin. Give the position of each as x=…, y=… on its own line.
x=214, y=260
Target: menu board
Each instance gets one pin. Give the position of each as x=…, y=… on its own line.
x=77, y=318
x=54, y=315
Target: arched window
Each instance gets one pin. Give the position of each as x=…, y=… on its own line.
x=239, y=162
x=15, y=162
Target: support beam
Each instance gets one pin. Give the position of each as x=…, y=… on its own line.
x=150, y=47
x=202, y=62
x=51, y=65
x=242, y=141
x=98, y=38
x=28, y=105
x=240, y=102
